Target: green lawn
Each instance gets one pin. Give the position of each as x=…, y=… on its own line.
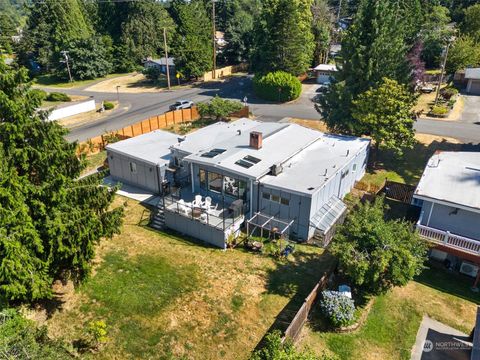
x=94, y=161
x=409, y=167
x=163, y=296
x=390, y=329
x=54, y=81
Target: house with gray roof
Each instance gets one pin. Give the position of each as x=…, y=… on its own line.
x=449, y=196
x=287, y=173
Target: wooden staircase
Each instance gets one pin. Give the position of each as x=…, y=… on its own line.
x=157, y=220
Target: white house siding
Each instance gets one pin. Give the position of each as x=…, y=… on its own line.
x=448, y=218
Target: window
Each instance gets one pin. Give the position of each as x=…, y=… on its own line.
x=275, y=198
x=354, y=168
x=133, y=167
x=215, y=182
x=242, y=189
x=231, y=186
x=285, y=201
x=266, y=196
x=202, y=174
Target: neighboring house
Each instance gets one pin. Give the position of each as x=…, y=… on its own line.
x=472, y=77
x=324, y=73
x=293, y=176
x=449, y=195
x=161, y=64
x=220, y=39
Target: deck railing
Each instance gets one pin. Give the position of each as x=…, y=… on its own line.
x=448, y=239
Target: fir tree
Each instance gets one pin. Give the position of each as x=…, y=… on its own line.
x=285, y=40
x=193, y=47
x=50, y=222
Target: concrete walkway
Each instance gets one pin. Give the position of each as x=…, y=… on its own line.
x=133, y=192
x=437, y=341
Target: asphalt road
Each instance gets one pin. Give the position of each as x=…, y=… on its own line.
x=136, y=107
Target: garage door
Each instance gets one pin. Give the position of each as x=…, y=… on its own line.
x=474, y=87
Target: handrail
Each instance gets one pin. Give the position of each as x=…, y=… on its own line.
x=449, y=239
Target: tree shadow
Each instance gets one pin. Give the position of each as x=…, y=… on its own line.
x=411, y=164
x=295, y=278
x=450, y=282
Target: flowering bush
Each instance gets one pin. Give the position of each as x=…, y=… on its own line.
x=338, y=308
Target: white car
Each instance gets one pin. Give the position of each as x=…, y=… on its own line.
x=181, y=104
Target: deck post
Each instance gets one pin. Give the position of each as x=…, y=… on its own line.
x=445, y=238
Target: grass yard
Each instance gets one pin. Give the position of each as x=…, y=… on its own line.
x=163, y=296
x=392, y=324
x=409, y=167
x=55, y=81
x=94, y=161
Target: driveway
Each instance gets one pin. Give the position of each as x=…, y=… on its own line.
x=471, y=109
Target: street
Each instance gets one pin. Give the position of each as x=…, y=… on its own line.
x=136, y=107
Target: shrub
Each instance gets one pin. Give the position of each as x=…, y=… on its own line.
x=448, y=93
x=277, y=86
x=153, y=73
x=38, y=93
x=219, y=108
x=338, y=308
x=58, y=96
x=107, y=105
x=439, y=110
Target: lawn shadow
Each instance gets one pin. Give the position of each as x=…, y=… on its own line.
x=411, y=164
x=295, y=278
x=437, y=277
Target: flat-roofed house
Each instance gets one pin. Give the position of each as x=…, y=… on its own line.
x=449, y=195
x=472, y=77
x=290, y=174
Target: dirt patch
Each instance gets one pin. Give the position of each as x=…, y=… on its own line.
x=133, y=84
x=312, y=124
x=428, y=139
x=87, y=117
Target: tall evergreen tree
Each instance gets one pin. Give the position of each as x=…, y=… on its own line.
x=51, y=25
x=285, y=40
x=240, y=19
x=374, y=47
x=193, y=44
x=49, y=221
x=322, y=26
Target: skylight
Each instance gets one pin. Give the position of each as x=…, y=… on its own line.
x=212, y=153
x=244, y=164
x=252, y=159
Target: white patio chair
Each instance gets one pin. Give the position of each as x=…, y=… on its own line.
x=203, y=217
x=198, y=201
x=208, y=202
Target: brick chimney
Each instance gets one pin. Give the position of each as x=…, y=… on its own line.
x=256, y=140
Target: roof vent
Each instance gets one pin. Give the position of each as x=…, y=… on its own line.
x=256, y=140
x=239, y=132
x=276, y=170
x=348, y=152
x=181, y=139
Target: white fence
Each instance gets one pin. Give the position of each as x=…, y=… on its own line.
x=70, y=110
x=448, y=239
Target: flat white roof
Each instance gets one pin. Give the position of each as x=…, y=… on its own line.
x=452, y=177
x=280, y=142
x=152, y=147
x=325, y=67
x=472, y=73
x=310, y=169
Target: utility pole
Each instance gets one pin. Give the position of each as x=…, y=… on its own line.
x=65, y=55
x=214, y=41
x=443, y=70
x=166, y=55
x=339, y=10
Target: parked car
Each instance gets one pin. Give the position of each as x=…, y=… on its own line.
x=182, y=104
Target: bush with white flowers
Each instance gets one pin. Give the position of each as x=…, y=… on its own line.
x=337, y=308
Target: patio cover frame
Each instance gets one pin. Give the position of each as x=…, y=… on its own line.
x=266, y=222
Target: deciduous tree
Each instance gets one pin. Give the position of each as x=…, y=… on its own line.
x=464, y=52
x=385, y=113
x=377, y=254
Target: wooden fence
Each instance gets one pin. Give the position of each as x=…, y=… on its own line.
x=398, y=191
x=295, y=327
